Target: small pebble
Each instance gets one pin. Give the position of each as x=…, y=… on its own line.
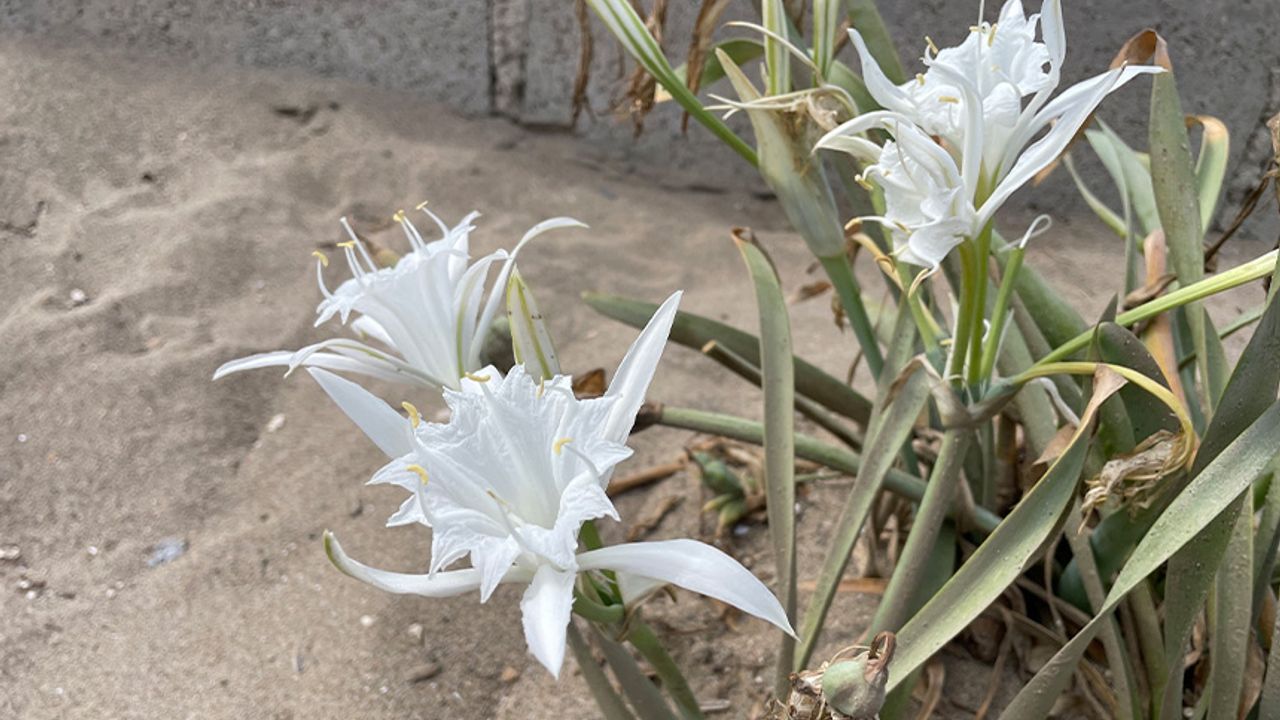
x=10, y=552
x=509, y=675
x=424, y=672
x=275, y=423
x=111, y=592
x=167, y=550
x=22, y=437
x=78, y=297
x=740, y=530
x=33, y=594
x=416, y=631
x=366, y=621
x=92, y=550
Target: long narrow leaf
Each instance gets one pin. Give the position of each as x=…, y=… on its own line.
x=1208, y=495
x=899, y=404
x=611, y=706
x=642, y=694
x=694, y=331
x=1230, y=625
x=1004, y=554
x=778, y=372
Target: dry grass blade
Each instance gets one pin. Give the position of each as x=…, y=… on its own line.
x=644, y=478
x=639, y=97
x=935, y=678
x=650, y=521
x=703, y=29
x=585, y=51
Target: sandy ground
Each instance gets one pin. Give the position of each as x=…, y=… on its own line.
x=157, y=221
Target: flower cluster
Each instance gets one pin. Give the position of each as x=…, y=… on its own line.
x=508, y=482
x=978, y=124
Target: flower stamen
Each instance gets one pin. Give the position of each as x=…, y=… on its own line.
x=324, y=259
x=415, y=417
x=559, y=444
x=418, y=470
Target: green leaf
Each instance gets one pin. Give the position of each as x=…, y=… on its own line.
x=642, y=694
x=1003, y=555
x=778, y=372
x=695, y=331
x=1230, y=624
x=1173, y=182
x=1204, y=499
x=899, y=403
x=865, y=18
x=826, y=23
x=777, y=60
x=1211, y=166
x=1128, y=169
x=815, y=450
x=900, y=597
x=741, y=50
x=611, y=706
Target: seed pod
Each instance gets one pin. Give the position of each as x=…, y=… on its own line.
x=854, y=688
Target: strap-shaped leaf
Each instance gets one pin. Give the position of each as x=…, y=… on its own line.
x=1004, y=554
x=778, y=375
x=695, y=331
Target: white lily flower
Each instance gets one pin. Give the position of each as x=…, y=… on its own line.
x=509, y=481
x=428, y=313
x=971, y=99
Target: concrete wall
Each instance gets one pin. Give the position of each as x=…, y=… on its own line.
x=518, y=58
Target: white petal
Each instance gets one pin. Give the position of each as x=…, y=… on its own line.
x=384, y=426
x=695, y=566
x=278, y=358
x=500, y=283
x=1053, y=31
x=889, y=96
x=635, y=372
x=442, y=584
x=546, y=606
x=366, y=325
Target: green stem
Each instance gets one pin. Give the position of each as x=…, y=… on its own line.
x=589, y=609
x=814, y=450
x=978, y=274
x=643, y=639
x=1257, y=268
x=841, y=274
x=999, y=315
x=964, y=317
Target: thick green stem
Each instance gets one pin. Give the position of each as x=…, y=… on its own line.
x=1257, y=268
x=643, y=639
x=978, y=274
x=964, y=317
x=999, y=315
x=840, y=273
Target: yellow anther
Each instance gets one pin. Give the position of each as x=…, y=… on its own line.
x=399, y=216
x=347, y=244
x=863, y=182
x=559, y=445
x=542, y=386
x=949, y=99
x=415, y=417
x=929, y=41
x=920, y=78
x=991, y=38
x=476, y=378
x=420, y=205
x=419, y=470
x=324, y=259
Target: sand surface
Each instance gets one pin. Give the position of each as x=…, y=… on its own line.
x=157, y=221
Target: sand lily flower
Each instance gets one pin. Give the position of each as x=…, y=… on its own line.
x=509, y=481
x=970, y=104
x=427, y=315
